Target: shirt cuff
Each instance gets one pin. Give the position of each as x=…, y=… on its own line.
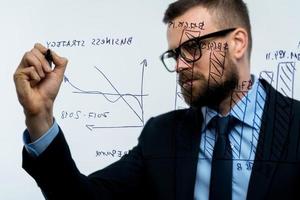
x=40, y=145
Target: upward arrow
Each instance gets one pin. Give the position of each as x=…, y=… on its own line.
x=144, y=63
x=66, y=79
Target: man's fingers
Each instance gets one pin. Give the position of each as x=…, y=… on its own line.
x=36, y=58
x=28, y=74
x=44, y=63
x=60, y=63
x=30, y=59
x=25, y=79
x=42, y=53
x=41, y=48
x=33, y=75
x=39, y=68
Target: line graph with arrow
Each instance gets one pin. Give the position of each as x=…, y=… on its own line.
x=126, y=99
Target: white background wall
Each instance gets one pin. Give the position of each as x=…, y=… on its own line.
x=275, y=27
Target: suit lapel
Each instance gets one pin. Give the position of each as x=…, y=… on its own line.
x=275, y=128
x=187, y=149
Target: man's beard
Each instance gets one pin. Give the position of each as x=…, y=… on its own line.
x=208, y=92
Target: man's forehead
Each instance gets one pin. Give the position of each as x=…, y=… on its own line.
x=193, y=23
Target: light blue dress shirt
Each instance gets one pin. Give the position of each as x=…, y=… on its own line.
x=37, y=147
x=243, y=140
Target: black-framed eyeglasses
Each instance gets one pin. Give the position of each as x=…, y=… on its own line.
x=190, y=50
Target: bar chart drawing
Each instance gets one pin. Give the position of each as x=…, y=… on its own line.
x=283, y=107
x=258, y=111
x=179, y=98
x=284, y=81
x=216, y=71
x=239, y=105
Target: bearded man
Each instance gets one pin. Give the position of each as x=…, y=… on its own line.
x=233, y=142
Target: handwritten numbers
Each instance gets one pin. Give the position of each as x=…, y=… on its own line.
x=249, y=166
x=240, y=166
x=72, y=115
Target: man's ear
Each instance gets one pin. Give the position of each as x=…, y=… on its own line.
x=239, y=43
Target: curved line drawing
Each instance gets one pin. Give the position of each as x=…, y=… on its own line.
x=115, y=97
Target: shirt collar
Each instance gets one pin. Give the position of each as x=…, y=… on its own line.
x=245, y=105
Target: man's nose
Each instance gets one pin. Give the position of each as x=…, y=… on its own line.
x=181, y=65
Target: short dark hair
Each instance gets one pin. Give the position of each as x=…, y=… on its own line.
x=226, y=13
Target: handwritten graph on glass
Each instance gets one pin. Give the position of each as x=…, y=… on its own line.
x=119, y=106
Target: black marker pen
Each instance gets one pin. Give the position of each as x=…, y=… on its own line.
x=48, y=57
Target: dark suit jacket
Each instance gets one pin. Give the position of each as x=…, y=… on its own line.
x=163, y=164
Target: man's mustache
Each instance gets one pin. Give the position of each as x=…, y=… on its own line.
x=188, y=75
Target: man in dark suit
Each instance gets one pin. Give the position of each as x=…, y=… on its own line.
x=183, y=154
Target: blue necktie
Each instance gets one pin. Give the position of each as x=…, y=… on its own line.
x=221, y=168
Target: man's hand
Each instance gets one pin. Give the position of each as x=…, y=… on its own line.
x=37, y=86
